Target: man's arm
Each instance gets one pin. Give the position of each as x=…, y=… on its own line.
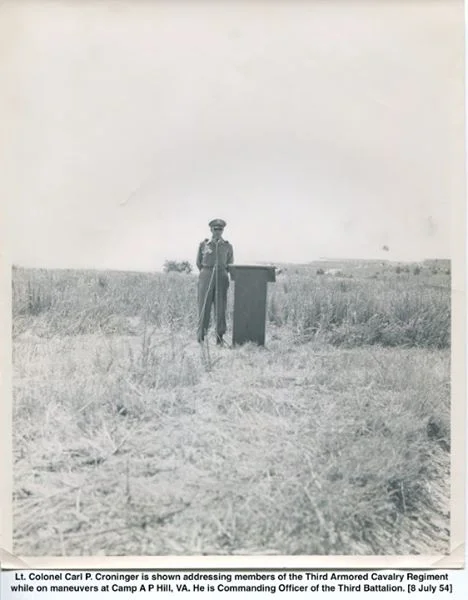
x=199, y=257
x=230, y=256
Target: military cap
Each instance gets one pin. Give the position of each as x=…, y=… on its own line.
x=217, y=223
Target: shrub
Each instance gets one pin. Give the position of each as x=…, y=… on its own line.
x=172, y=266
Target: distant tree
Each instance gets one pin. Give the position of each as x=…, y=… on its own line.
x=320, y=272
x=398, y=269
x=187, y=266
x=174, y=266
x=416, y=270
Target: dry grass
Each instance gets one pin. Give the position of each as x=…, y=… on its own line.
x=127, y=442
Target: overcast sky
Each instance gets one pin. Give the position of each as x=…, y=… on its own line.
x=314, y=128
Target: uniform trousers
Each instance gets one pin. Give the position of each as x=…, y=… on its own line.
x=213, y=284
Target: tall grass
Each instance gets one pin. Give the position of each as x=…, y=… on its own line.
x=80, y=302
x=390, y=311
x=354, y=312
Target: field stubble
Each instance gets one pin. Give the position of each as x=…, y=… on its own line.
x=127, y=441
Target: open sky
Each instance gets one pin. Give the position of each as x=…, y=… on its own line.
x=314, y=128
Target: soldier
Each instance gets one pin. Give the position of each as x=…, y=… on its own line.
x=213, y=260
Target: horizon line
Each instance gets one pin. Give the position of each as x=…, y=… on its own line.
x=271, y=263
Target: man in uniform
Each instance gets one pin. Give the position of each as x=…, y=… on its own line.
x=213, y=260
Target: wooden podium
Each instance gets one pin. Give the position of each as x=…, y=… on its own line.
x=250, y=295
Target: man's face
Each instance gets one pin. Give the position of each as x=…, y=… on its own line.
x=217, y=232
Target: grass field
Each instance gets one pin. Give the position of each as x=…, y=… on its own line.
x=333, y=439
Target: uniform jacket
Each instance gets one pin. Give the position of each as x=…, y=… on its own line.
x=206, y=256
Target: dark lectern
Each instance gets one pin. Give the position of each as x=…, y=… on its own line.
x=250, y=302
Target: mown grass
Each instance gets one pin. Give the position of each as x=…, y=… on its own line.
x=129, y=440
